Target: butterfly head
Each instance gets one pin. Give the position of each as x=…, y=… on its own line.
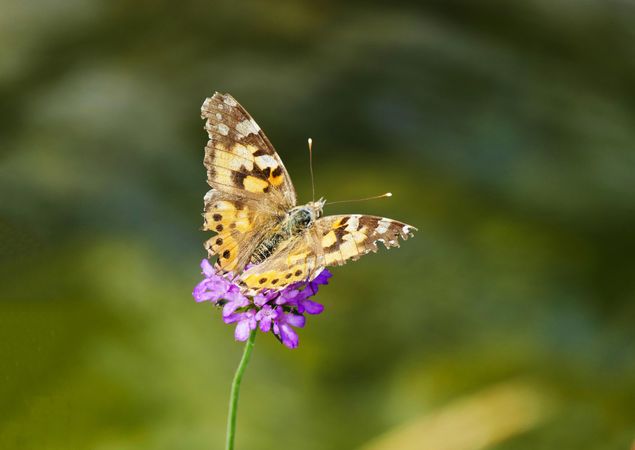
x=316, y=208
x=302, y=217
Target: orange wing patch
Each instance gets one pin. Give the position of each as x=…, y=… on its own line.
x=232, y=220
x=239, y=158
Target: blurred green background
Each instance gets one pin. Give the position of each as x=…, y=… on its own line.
x=506, y=132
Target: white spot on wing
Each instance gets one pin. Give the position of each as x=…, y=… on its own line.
x=219, y=116
x=266, y=161
x=382, y=226
x=246, y=127
x=229, y=101
x=353, y=223
x=222, y=129
x=206, y=105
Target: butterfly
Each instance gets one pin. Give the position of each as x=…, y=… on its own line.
x=262, y=236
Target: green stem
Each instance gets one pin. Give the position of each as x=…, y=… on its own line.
x=233, y=399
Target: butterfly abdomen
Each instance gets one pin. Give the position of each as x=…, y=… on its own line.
x=267, y=247
x=296, y=222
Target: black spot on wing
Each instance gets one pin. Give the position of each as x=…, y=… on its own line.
x=238, y=178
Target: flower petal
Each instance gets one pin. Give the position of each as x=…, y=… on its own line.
x=296, y=320
x=263, y=298
x=288, y=297
x=232, y=306
x=311, y=307
x=288, y=336
x=242, y=330
x=231, y=318
x=207, y=268
x=200, y=293
x=265, y=325
x=323, y=277
x=233, y=294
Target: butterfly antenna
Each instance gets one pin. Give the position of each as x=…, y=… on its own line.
x=387, y=194
x=311, y=166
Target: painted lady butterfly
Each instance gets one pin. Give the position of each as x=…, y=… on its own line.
x=252, y=208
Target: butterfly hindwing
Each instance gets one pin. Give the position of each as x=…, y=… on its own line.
x=239, y=225
x=297, y=260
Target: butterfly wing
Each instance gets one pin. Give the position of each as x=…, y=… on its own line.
x=239, y=158
x=332, y=240
x=251, y=189
x=351, y=236
x=240, y=224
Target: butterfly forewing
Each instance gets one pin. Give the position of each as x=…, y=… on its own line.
x=239, y=158
x=333, y=240
x=251, y=189
x=345, y=237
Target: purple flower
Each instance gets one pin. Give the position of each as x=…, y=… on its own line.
x=322, y=278
x=246, y=321
x=213, y=287
x=277, y=311
x=299, y=298
x=263, y=298
x=234, y=299
x=282, y=326
x=266, y=316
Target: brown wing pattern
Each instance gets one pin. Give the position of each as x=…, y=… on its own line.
x=251, y=193
x=239, y=158
x=351, y=236
x=297, y=260
x=239, y=223
x=333, y=240
x=251, y=189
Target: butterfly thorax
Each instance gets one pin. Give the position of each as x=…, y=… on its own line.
x=294, y=223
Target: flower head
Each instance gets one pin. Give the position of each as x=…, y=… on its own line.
x=275, y=311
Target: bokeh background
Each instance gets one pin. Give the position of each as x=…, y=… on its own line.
x=505, y=130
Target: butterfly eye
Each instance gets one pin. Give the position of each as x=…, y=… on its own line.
x=304, y=217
